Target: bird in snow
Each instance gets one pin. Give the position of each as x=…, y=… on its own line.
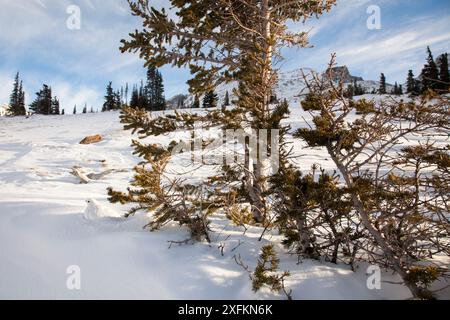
x=95, y=210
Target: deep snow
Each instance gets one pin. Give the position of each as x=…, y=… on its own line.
x=45, y=228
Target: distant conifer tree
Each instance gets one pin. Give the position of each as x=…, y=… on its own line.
x=134, y=102
x=126, y=94
x=382, y=89
x=444, y=75
x=196, y=104
x=43, y=102
x=430, y=74
x=227, y=99
x=17, y=99
x=110, y=99
x=154, y=90
x=210, y=100
x=411, y=86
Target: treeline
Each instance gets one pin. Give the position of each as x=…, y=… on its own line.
x=148, y=95
x=45, y=103
x=435, y=76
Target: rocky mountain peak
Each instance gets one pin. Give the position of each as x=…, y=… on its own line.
x=341, y=73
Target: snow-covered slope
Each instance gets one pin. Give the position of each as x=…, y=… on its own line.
x=47, y=225
x=291, y=86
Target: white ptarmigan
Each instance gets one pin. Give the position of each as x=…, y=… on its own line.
x=95, y=210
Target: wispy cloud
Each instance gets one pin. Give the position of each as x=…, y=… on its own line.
x=78, y=64
x=399, y=46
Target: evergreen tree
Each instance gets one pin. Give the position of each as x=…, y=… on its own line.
x=210, y=100
x=234, y=42
x=75, y=109
x=354, y=90
x=411, y=86
x=126, y=94
x=43, y=102
x=134, y=102
x=21, y=110
x=110, y=99
x=350, y=91
x=92, y=110
x=227, y=100
x=85, y=109
x=400, y=89
x=382, y=89
x=361, y=90
x=196, y=104
x=160, y=100
x=444, y=74
x=430, y=74
x=395, y=89
x=150, y=88
x=63, y=112
x=143, y=101
x=17, y=99
x=118, y=101
x=154, y=90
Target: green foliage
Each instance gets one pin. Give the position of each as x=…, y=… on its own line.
x=412, y=85
x=210, y=100
x=226, y=102
x=306, y=205
x=196, y=104
x=382, y=89
x=444, y=73
x=239, y=216
x=112, y=99
x=17, y=99
x=430, y=74
x=153, y=91
x=44, y=103
x=265, y=273
x=423, y=276
x=363, y=106
x=166, y=200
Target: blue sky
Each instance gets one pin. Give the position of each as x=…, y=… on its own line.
x=78, y=64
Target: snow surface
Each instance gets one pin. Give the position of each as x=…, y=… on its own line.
x=47, y=225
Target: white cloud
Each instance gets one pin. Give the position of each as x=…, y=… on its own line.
x=79, y=64
x=398, y=47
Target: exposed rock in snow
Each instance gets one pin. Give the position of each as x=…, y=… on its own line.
x=92, y=139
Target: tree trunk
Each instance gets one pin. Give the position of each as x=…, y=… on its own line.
x=261, y=166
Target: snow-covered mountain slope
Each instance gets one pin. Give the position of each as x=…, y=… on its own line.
x=291, y=86
x=47, y=225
